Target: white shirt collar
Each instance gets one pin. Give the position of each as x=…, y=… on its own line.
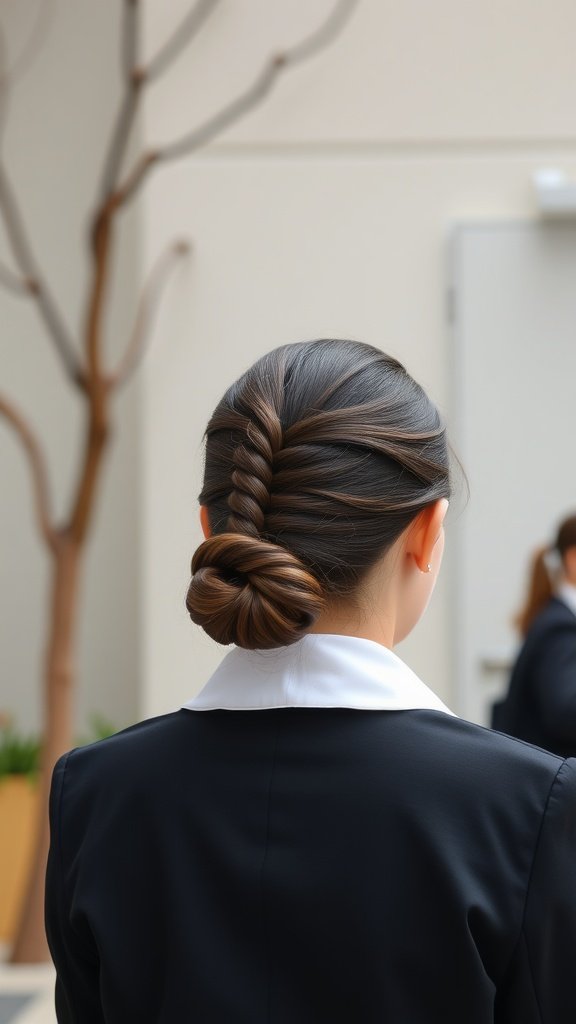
x=567, y=594
x=319, y=671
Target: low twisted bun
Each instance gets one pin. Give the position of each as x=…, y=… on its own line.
x=249, y=592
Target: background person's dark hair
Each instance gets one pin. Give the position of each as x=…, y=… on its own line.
x=317, y=459
x=541, y=576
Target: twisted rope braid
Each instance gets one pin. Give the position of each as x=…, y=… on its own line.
x=253, y=470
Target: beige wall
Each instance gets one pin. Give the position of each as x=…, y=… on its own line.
x=327, y=213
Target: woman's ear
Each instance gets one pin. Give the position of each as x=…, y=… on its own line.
x=425, y=533
x=205, y=522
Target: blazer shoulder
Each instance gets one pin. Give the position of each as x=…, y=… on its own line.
x=555, y=622
x=556, y=614
x=129, y=752
x=484, y=754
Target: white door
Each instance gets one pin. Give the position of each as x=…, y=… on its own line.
x=513, y=311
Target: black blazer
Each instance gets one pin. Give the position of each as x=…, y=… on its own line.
x=305, y=866
x=540, y=706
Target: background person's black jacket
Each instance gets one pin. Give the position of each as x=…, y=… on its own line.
x=303, y=866
x=540, y=706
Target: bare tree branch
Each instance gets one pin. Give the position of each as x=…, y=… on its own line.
x=9, y=74
x=37, y=466
x=31, y=282
x=13, y=282
x=325, y=34
x=147, y=309
x=136, y=176
x=119, y=141
x=130, y=37
x=134, y=79
x=137, y=76
x=263, y=84
x=244, y=103
x=36, y=285
x=229, y=114
x=4, y=83
x=182, y=35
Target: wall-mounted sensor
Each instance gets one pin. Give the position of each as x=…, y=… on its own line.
x=555, y=192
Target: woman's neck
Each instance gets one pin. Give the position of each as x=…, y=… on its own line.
x=348, y=621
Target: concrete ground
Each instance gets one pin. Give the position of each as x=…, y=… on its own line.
x=27, y=994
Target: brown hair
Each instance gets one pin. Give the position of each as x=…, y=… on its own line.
x=541, y=582
x=317, y=459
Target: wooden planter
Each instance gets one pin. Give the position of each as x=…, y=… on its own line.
x=18, y=818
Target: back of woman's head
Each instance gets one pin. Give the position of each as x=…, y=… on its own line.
x=546, y=568
x=317, y=459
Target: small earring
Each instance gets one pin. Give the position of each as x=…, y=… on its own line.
x=426, y=570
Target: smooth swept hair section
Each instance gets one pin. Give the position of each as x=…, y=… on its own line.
x=317, y=459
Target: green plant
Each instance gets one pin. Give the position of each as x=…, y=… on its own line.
x=19, y=755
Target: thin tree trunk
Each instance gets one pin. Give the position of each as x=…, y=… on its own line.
x=30, y=944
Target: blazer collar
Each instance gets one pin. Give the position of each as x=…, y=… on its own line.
x=319, y=671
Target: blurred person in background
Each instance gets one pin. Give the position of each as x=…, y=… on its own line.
x=540, y=706
x=315, y=838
